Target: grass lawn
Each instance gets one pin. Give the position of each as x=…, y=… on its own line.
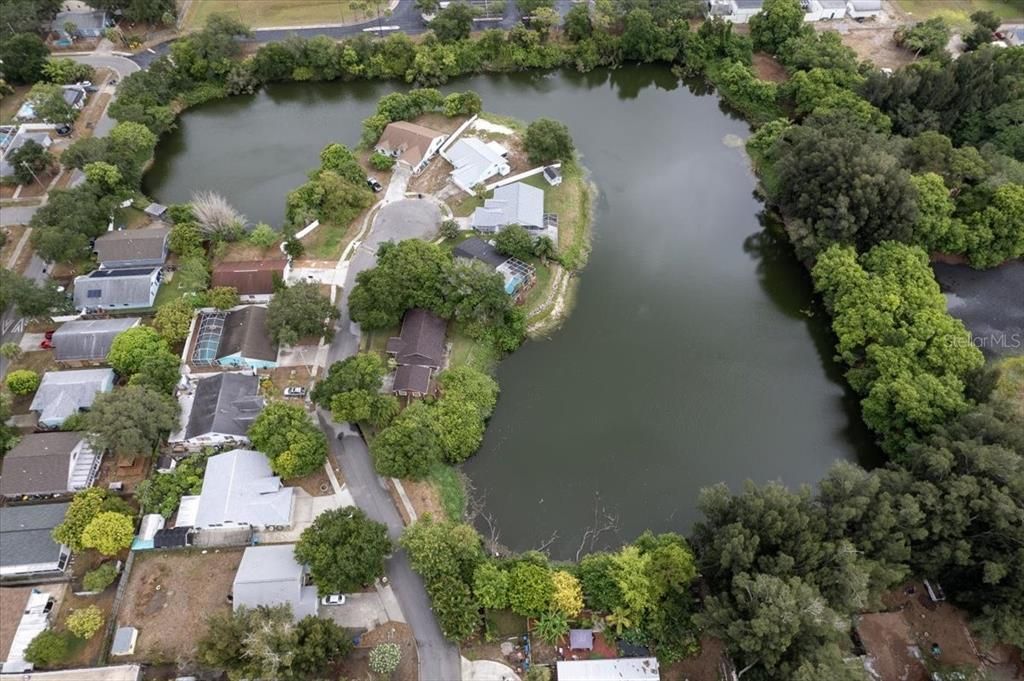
x=9, y=104
x=957, y=12
x=328, y=240
x=168, y=292
x=571, y=201
x=261, y=13
x=377, y=340
x=539, y=293
x=477, y=354
x=448, y=483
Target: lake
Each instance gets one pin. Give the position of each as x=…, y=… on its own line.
x=695, y=353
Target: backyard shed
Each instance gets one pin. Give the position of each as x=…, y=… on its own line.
x=581, y=639
x=124, y=641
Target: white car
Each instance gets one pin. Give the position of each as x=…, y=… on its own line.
x=333, y=599
x=294, y=392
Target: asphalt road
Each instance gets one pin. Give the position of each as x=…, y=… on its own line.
x=439, y=660
x=122, y=66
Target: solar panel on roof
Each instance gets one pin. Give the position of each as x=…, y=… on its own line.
x=128, y=272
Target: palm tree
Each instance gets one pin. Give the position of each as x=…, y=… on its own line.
x=544, y=248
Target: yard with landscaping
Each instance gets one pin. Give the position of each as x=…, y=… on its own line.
x=957, y=12
x=266, y=13
x=170, y=595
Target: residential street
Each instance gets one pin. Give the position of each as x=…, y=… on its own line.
x=439, y=660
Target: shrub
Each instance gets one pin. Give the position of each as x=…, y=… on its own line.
x=222, y=297
x=384, y=658
x=217, y=218
x=547, y=140
x=449, y=229
x=382, y=162
x=263, y=235
x=85, y=622
x=48, y=648
x=23, y=381
x=100, y=578
x=108, y=533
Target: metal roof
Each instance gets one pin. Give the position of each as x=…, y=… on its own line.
x=239, y=488
x=473, y=161
x=39, y=464
x=512, y=204
x=270, y=575
x=88, y=339
x=622, y=669
x=104, y=288
x=25, y=534
x=63, y=393
x=248, y=278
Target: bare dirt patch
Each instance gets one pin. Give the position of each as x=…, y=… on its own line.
x=169, y=597
x=317, y=484
x=877, y=46
x=704, y=665
x=767, y=68
x=424, y=498
x=357, y=665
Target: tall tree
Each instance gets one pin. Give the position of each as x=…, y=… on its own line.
x=344, y=550
x=131, y=420
x=299, y=311
x=777, y=22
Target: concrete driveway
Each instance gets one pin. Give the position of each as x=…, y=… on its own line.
x=307, y=508
x=400, y=177
x=365, y=610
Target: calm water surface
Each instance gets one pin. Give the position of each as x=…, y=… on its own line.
x=695, y=353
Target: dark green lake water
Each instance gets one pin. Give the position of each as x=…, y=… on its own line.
x=695, y=353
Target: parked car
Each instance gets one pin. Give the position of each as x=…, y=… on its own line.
x=63, y=129
x=294, y=391
x=374, y=184
x=333, y=599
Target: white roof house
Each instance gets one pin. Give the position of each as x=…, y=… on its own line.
x=512, y=204
x=475, y=161
x=133, y=287
x=239, y=490
x=269, y=575
x=64, y=393
x=35, y=619
x=735, y=11
x=622, y=669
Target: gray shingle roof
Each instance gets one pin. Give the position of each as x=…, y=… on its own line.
x=107, y=288
x=88, y=339
x=144, y=245
x=412, y=380
x=421, y=342
x=245, y=332
x=25, y=534
x=270, y=575
x=63, y=393
x=39, y=464
x=225, y=403
x=478, y=249
x=240, y=488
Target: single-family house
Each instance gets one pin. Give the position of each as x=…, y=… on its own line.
x=620, y=669
x=254, y=280
x=88, y=341
x=74, y=95
x=832, y=9
x=218, y=410
x=411, y=144
x=269, y=575
x=45, y=464
x=864, y=9
x=133, y=247
x=28, y=610
x=512, y=204
x=734, y=11
x=129, y=288
x=553, y=175
x=17, y=139
x=420, y=349
x=27, y=546
x=237, y=338
x=240, y=490
x=86, y=24
x=474, y=161
x=64, y=393
x=519, y=276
